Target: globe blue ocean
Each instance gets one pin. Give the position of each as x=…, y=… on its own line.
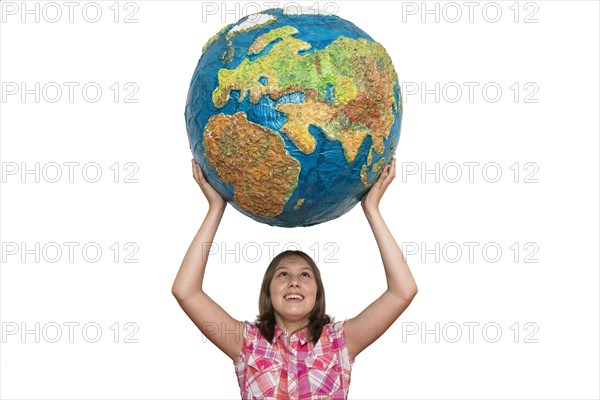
x=351, y=141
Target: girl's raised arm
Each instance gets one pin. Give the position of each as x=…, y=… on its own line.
x=371, y=323
x=208, y=316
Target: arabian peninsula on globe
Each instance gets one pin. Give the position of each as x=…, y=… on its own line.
x=292, y=117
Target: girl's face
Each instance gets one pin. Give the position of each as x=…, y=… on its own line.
x=293, y=292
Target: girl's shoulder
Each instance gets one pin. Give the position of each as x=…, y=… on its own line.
x=335, y=330
x=336, y=325
x=251, y=331
x=250, y=341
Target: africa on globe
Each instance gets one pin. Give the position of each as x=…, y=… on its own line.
x=292, y=116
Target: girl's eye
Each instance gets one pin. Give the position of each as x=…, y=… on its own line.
x=305, y=275
x=283, y=273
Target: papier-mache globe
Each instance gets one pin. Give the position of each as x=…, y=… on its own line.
x=292, y=116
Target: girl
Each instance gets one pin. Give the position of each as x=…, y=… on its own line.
x=294, y=351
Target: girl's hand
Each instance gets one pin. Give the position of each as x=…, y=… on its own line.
x=214, y=198
x=371, y=201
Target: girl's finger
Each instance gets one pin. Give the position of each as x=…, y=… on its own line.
x=390, y=175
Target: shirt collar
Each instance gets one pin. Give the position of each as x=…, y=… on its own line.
x=300, y=334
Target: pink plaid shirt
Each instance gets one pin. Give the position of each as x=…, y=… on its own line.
x=294, y=368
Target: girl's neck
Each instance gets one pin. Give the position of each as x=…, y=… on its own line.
x=292, y=327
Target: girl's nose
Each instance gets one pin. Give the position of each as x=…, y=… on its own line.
x=294, y=282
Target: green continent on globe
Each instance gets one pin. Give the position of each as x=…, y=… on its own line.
x=254, y=160
x=348, y=88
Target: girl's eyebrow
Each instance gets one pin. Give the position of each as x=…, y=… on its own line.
x=285, y=267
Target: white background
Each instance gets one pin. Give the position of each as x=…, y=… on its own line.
x=554, y=221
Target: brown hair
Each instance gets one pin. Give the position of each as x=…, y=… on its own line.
x=266, y=318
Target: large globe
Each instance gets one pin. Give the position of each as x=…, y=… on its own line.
x=292, y=116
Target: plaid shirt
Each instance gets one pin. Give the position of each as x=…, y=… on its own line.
x=296, y=368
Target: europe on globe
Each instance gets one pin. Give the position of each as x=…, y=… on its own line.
x=292, y=116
